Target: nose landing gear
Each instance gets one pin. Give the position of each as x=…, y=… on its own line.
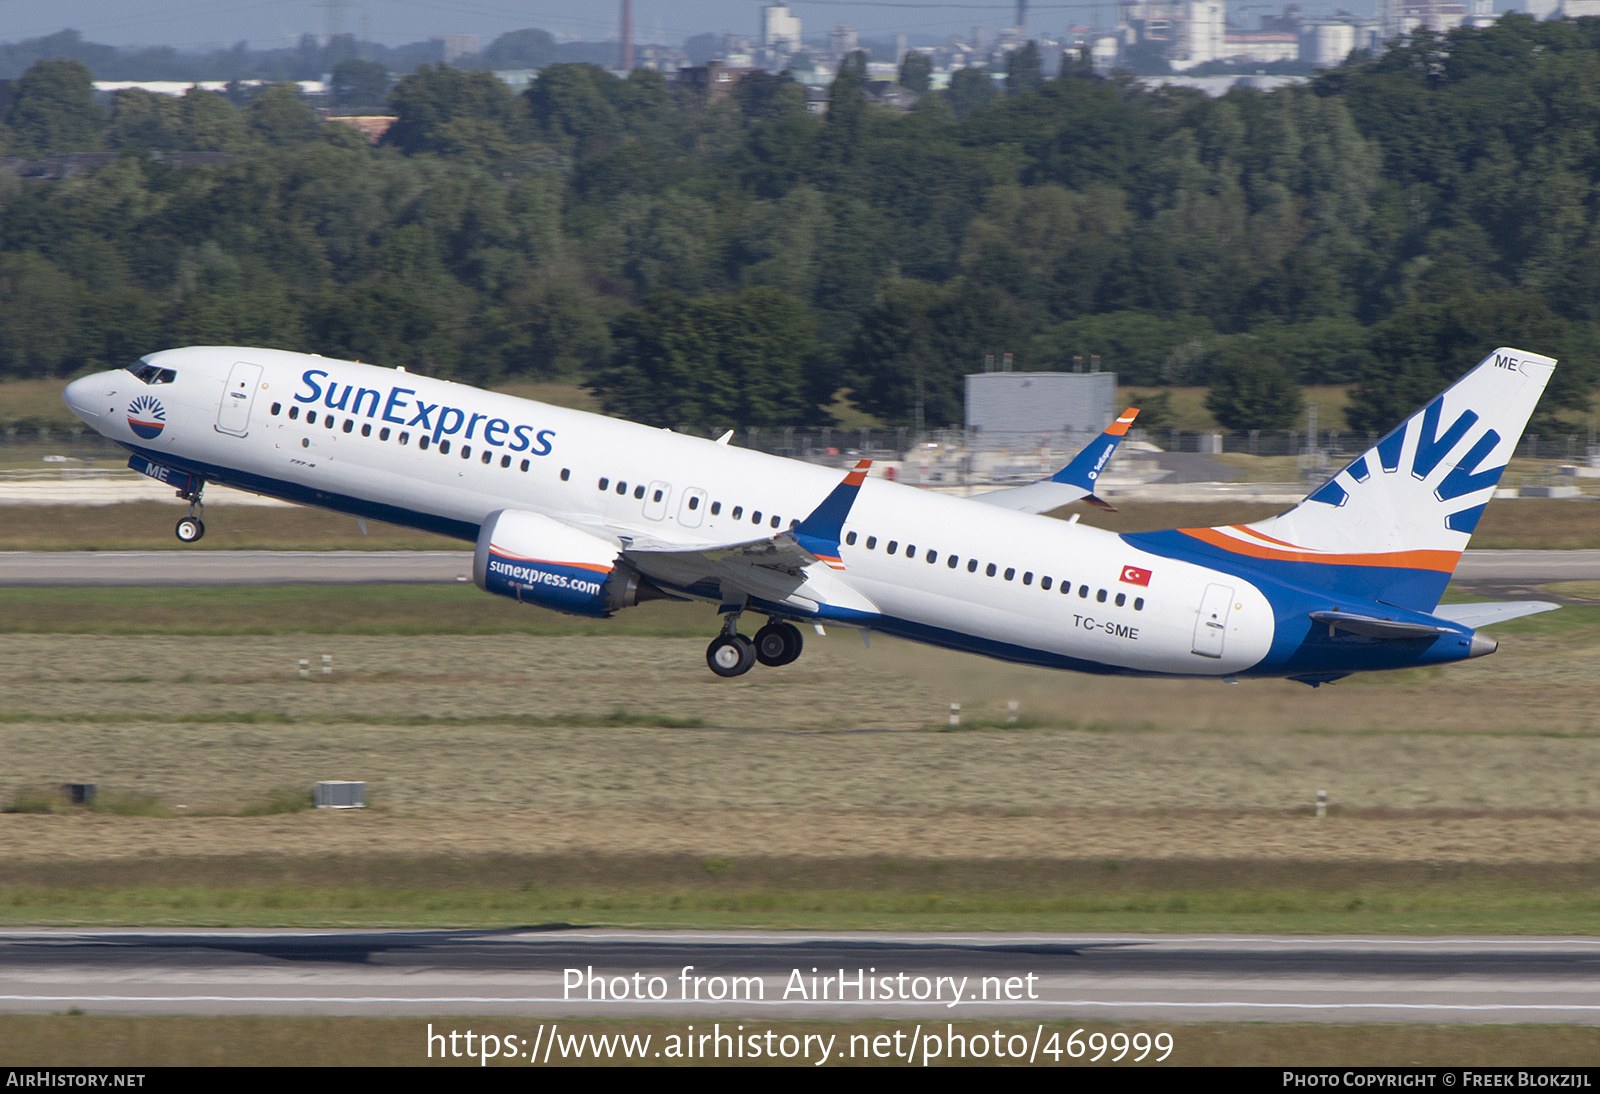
x=191, y=527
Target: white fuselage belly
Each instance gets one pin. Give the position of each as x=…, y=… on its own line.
x=953, y=605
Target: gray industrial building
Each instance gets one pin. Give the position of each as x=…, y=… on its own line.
x=1025, y=409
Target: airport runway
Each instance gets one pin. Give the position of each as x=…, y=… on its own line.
x=524, y=972
x=181, y=567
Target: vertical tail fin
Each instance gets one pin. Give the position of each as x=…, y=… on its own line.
x=1392, y=524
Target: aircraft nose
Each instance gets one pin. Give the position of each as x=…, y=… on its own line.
x=1482, y=646
x=83, y=397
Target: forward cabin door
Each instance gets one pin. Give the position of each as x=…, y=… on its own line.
x=1212, y=626
x=233, y=416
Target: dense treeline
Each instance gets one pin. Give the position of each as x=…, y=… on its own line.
x=736, y=262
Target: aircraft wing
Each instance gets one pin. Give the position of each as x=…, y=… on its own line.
x=792, y=569
x=1072, y=482
x=1483, y=614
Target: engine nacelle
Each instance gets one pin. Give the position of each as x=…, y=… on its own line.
x=536, y=560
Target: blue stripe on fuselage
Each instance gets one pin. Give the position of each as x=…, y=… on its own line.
x=285, y=490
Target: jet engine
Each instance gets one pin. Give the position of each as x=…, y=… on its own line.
x=537, y=560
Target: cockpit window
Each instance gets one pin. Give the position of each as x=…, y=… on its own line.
x=150, y=374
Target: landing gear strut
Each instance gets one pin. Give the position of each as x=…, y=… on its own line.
x=191, y=527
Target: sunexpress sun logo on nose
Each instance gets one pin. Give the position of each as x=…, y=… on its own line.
x=147, y=417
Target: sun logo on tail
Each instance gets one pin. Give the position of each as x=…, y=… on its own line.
x=147, y=417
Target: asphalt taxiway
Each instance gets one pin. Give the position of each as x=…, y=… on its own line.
x=570, y=972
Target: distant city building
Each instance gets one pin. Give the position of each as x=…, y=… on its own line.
x=715, y=80
x=780, y=30
x=1191, y=32
x=1015, y=409
x=1262, y=47
x=842, y=41
x=1397, y=18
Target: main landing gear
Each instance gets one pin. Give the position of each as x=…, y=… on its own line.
x=191, y=527
x=732, y=654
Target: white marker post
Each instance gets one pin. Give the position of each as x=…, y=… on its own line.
x=1322, y=804
x=1011, y=710
x=305, y=669
x=955, y=714
x=327, y=664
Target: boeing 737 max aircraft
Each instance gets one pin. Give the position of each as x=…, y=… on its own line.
x=590, y=515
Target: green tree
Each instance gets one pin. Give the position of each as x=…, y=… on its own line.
x=442, y=110
x=279, y=116
x=916, y=72
x=1251, y=391
x=571, y=106
x=144, y=120
x=360, y=85
x=971, y=89
x=520, y=49
x=713, y=362
x=1024, y=69
x=211, y=123
x=54, y=109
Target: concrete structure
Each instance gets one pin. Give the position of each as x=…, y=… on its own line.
x=1262, y=47
x=780, y=30
x=1009, y=409
x=842, y=41
x=1192, y=31
x=1397, y=18
x=457, y=45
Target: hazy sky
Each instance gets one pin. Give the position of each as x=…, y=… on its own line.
x=198, y=24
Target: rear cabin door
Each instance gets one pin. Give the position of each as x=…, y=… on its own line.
x=233, y=416
x=1212, y=626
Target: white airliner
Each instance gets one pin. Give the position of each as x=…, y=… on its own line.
x=590, y=515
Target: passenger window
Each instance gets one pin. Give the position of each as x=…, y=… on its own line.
x=294, y=412
x=932, y=557
x=774, y=522
x=405, y=438
x=366, y=429
x=566, y=472
x=311, y=417
x=1027, y=578
x=894, y=547
x=605, y=484
x=972, y=565
x=1044, y=583
x=349, y=425
x=638, y=493
x=327, y=421
x=1066, y=588
x=1083, y=592
x=487, y=456
x=738, y=511
x=1138, y=604
x=990, y=569
x=694, y=501
x=422, y=441
x=656, y=497
x=952, y=561
x=383, y=434
x=1011, y=572
x=444, y=448
x=872, y=541
x=275, y=408
x=911, y=552
x=716, y=507
x=1122, y=598
x=755, y=517
x=563, y=472
x=505, y=461
x=850, y=539
x=1100, y=597
x=466, y=452
x=622, y=488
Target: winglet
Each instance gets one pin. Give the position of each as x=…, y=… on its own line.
x=819, y=533
x=1086, y=465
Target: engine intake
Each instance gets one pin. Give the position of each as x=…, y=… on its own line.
x=536, y=560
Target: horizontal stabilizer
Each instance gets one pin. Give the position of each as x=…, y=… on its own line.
x=1375, y=627
x=1499, y=611
x=1073, y=482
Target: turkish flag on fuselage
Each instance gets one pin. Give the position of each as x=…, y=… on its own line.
x=1132, y=575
